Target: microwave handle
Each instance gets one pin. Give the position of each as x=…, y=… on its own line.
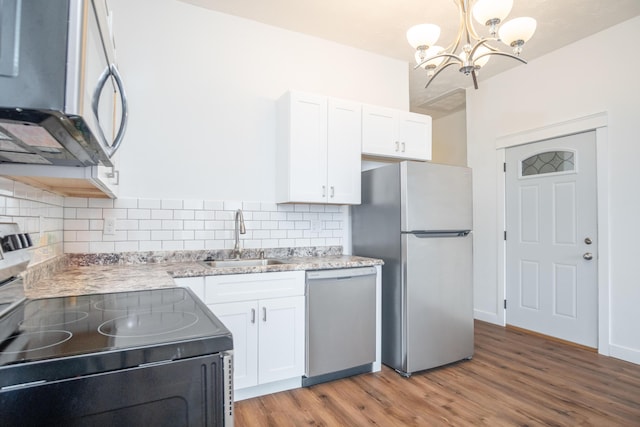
x=112, y=70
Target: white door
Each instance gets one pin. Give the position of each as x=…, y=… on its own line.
x=551, y=247
x=241, y=318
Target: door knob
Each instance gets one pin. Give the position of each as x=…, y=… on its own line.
x=588, y=256
x=587, y=240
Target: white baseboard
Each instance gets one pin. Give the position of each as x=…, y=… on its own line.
x=625, y=353
x=486, y=316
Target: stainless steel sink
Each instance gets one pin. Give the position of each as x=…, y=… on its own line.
x=242, y=263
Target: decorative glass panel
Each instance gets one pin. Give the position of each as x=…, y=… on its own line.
x=549, y=162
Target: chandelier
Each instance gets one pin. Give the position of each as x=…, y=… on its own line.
x=470, y=51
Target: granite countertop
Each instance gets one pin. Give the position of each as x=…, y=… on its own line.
x=80, y=280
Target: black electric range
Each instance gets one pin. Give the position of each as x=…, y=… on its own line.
x=149, y=357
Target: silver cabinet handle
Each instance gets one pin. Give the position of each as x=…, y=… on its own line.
x=111, y=70
x=324, y=191
x=588, y=256
x=403, y=146
x=333, y=191
x=264, y=314
x=397, y=146
x=253, y=315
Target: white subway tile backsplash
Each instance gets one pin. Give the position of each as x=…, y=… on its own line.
x=159, y=224
x=150, y=224
x=76, y=202
x=133, y=246
x=139, y=235
x=96, y=247
x=162, y=235
x=194, y=225
x=172, y=225
x=88, y=236
x=183, y=235
x=214, y=244
x=125, y=203
x=76, y=224
x=232, y=205
x=213, y=205
x=76, y=247
x=115, y=213
x=172, y=245
x=162, y=214
x=194, y=245
x=127, y=224
x=204, y=215
x=88, y=213
x=149, y=203
x=171, y=204
x=139, y=214
x=204, y=235
x=251, y=206
x=183, y=214
x=101, y=203
x=150, y=246
x=193, y=204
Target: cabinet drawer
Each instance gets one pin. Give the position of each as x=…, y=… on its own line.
x=243, y=287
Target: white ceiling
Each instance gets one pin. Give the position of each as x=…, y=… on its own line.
x=380, y=25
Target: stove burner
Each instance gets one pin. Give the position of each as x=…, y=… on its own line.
x=18, y=343
x=147, y=324
x=56, y=318
x=138, y=301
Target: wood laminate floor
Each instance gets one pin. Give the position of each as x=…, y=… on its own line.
x=514, y=379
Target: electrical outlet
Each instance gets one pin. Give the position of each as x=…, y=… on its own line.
x=109, y=226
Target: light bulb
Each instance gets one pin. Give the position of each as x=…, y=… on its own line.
x=486, y=11
x=423, y=35
x=517, y=32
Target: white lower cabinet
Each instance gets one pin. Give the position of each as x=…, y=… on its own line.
x=266, y=338
x=265, y=313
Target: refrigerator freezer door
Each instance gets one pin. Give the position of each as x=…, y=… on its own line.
x=438, y=300
x=435, y=197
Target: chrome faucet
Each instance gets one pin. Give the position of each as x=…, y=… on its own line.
x=239, y=229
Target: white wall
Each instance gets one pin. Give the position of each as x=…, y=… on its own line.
x=597, y=74
x=202, y=88
x=449, y=143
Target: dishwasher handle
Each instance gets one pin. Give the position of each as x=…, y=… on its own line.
x=340, y=273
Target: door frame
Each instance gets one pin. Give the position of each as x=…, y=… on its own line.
x=596, y=122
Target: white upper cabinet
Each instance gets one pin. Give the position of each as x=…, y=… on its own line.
x=319, y=150
x=394, y=133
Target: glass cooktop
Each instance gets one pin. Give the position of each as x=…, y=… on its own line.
x=100, y=332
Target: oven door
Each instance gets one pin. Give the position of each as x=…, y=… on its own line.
x=186, y=392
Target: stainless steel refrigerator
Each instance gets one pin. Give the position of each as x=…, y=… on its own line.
x=416, y=216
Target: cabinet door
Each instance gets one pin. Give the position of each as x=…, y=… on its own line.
x=241, y=318
x=415, y=136
x=344, y=150
x=380, y=131
x=281, y=339
x=308, y=148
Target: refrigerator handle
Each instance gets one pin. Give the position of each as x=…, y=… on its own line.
x=432, y=234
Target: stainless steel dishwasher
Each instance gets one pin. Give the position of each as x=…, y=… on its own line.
x=340, y=323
